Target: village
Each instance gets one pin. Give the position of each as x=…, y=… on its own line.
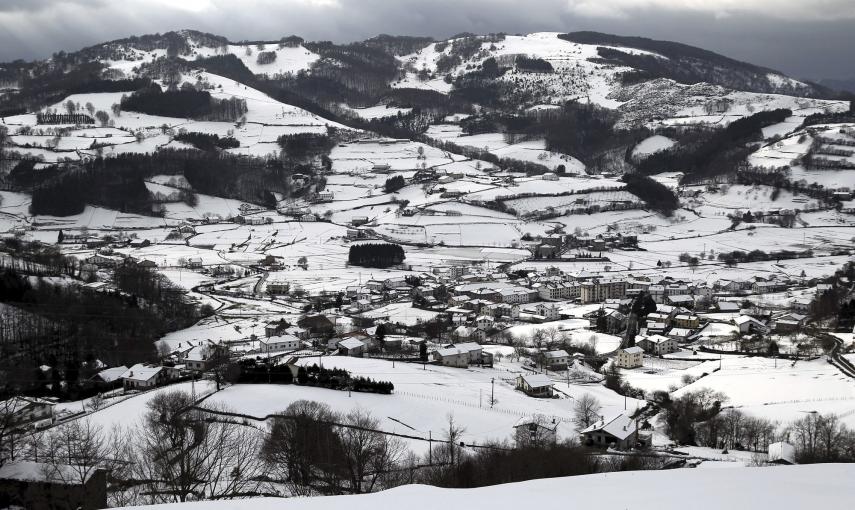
x=471, y=298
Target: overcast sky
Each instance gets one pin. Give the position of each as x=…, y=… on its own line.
x=805, y=38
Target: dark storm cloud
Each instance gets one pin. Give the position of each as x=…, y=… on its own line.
x=804, y=38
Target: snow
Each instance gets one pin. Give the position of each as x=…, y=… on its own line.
x=825, y=486
x=652, y=145
x=378, y=112
x=779, y=390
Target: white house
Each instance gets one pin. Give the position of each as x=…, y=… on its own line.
x=279, y=343
x=631, y=357
x=142, y=376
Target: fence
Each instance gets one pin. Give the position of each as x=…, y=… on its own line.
x=485, y=407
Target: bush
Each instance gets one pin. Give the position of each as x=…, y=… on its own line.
x=393, y=184
x=208, y=142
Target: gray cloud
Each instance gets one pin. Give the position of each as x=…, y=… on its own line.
x=805, y=39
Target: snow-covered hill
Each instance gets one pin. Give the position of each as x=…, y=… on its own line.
x=783, y=488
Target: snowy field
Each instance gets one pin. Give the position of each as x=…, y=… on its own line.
x=424, y=397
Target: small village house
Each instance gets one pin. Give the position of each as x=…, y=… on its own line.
x=631, y=357
x=535, y=385
x=38, y=486
x=281, y=343
x=452, y=357
x=657, y=344
x=556, y=360
x=535, y=431
x=143, y=377
x=27, y=412
x=351, y=347
x=619, y=432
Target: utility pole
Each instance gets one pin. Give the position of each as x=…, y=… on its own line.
x=492, y=391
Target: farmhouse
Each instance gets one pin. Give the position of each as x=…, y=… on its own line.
x=109, y=375
x=201, y=357
x=748, y=324
x=535, y=385
x=277, y=287
x=351, y=347
x=472, y=349
x=451, y=357
x=619, y=432
x=536, y=430
x=557, y=360
x=142, y=376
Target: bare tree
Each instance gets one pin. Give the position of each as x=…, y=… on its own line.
x=538, y=337
x=75, y=450
x=102, y=117
x=586, y=410
x=552, y=336
x=302, y=450
x=368, y=454
x=12, y=432
x=182, y=453
x=451, y=451
x=163, y=350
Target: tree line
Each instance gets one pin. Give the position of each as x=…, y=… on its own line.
x=702, y=154
x=119, y=182
x=699, y=418
x=70, y=325
x=376, y=255
x=184, y=102
x=259, y=371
